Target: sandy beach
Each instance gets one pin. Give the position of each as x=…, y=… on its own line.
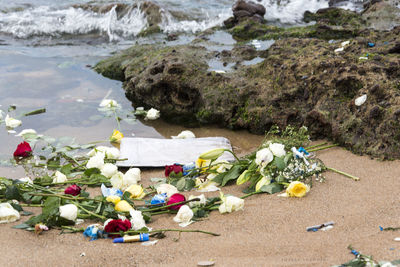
x=271, y=231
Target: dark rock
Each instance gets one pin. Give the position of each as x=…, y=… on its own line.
x=250, y=7
x=395, y=49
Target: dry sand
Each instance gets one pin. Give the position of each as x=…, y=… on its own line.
x=269, y=232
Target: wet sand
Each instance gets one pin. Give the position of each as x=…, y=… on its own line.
x=271, y=231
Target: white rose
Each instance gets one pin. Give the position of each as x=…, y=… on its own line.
x=59, y=177
x=184, y=135
x=8, y=213
x=169, y=189
x=152, y=114
x=96, y=150
x=69, y=212
x=117, y=180
x=264, y=156
x=137, y=220
x=26, y=131
x=26, y=180
x=97, y=161
x=277, y=149
x=112, y=153
x=201, y=202
x=108, y=170
x=231, y=203
x=184, y=216
x=108, y=103
x=11, y=122
x=132, y=176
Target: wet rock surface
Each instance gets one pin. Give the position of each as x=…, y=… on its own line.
x=299, y=81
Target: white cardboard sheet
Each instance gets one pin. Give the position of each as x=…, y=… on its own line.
x=155, y=152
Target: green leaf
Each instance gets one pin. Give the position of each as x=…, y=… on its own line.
x=232, y=174
x=272, y=188
x=279, y=163
x=91, y=171
x=180, y=185
x=16, y=206
x=127, y=196
x=12, y=192
x=66, y=169
x=21, y=226
x=190, y=183
x=84, y=194
x=146, y=216
x=36, y=199
x=219, y=178
x=35, y=112
x=26, y=213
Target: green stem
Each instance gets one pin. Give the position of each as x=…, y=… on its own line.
x=89, y=212
x=343, y=173
x=321, y=148
x=170, y=230
x=233, y=154
x=314, y=146
x=116, y=118
x=64, y=197
x=31, y=205
x=161, y=212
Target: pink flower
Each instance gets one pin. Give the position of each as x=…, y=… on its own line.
x=175, y=198
x=72, y=190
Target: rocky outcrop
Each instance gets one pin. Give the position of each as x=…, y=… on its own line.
x=249, y=11
x=300, y=81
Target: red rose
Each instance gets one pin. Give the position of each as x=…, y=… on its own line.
x=23, y=150
x=114, y=226
x=176, y=168
x=72, y=190
x=175, y=198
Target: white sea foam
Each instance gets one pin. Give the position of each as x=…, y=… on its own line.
x=44, y=20
x=170, y=24
x=290, y=11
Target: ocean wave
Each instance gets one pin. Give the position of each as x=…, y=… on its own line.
x=46, y=21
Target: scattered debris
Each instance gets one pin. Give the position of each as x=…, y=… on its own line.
x=360, y=100
x=315, y=228
x=206, y=263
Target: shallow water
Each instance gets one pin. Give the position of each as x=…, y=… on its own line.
x=47, y=48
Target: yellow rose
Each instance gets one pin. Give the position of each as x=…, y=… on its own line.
x=123, y=206
x=297, y=189
x=113, y=199
x=116, y=137
x=136, y=191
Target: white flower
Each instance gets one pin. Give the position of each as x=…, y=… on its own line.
x=264, y=156
x=112, y=153
x=207, y=186
x=26, y=180
x=117, y=180
x=106, y=222
x=8, y=213
x=231, y=203
x=1, y=114
x=169, y=189
x=108, y=170
x=223, y=166
x=338, y=50
x=59, y=177
x=360, y=100
x=201, y=202
x=11, y=122
x=26, y=131
x=137, y=220
x=132, y=176
x=277, y=149
x=97, y=161
x=152, y=114
x=69, y=212
x=184, y=216
x=108, y=103
x=184, y=135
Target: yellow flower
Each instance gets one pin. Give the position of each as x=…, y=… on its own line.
x=202, y=164
x=113, y=199
x=136, y=191
x=123, y=206
x=116, y=137
x=212, y=154
x=297, y=189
